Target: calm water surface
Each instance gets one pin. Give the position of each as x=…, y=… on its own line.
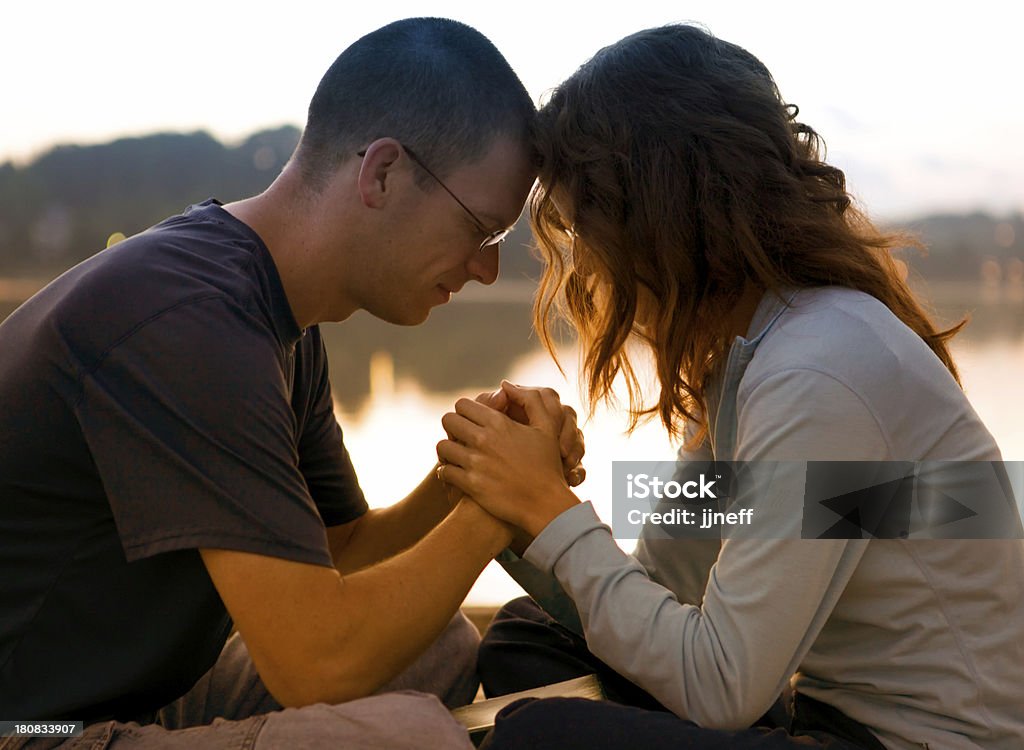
x=391, y=437
x=416, y=374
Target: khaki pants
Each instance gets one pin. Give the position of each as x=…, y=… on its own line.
x=230, y=709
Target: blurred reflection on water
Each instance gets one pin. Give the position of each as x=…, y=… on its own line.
x=392, y=438
x=391, y=434
x=473, y=342
x=468, y=343
x=485, y=335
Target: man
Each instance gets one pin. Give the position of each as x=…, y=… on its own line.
x=168, y=447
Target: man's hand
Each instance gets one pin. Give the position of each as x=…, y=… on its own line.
x=384, y=532
x=515, y=471
x=570, y=437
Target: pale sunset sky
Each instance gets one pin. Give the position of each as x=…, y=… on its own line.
x=920, y=103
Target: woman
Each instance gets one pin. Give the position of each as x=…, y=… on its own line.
x=681, y=206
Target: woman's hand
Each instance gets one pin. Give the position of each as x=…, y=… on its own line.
x=570, y=437
x=514, y=471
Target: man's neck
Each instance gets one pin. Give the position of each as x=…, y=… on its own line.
x=289, y=226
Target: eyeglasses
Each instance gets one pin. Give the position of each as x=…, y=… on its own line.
x=490, y=238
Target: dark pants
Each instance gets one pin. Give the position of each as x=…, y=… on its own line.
x=525, y=648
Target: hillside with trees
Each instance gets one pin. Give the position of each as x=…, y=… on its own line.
x=65, y=205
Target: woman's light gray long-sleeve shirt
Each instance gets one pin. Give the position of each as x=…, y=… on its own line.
x=922, y=641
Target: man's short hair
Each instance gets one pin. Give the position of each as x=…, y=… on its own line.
x=436, y=85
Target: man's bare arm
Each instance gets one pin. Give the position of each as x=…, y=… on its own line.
x=316, y=635
x=384, y=532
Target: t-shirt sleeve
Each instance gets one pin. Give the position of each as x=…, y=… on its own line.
x=323, y=459
x=189, y=422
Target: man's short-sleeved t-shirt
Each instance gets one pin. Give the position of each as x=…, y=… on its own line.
x=156, y=399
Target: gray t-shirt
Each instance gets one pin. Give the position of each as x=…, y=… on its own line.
x=922, y=641
x=155, y=399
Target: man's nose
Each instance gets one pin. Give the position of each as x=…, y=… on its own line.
x=484, y=264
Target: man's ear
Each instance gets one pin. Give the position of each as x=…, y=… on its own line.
x=377, y=170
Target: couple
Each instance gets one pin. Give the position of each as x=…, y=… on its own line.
x=170, y=464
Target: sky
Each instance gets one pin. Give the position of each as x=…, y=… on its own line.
x=921, y=106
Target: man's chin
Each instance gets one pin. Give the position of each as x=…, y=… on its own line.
x=418, y=320
x=413, y=313
x=407, y=318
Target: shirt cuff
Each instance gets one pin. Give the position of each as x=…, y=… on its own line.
x=551, y=543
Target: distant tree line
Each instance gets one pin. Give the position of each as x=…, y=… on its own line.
x=65, y=205
x=975, y=246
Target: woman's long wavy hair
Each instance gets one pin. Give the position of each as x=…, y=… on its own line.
x=673, y=178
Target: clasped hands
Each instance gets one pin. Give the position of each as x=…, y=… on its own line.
x=516, y=453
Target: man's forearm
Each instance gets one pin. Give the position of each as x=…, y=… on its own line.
x=396, y=609
x=384, y=532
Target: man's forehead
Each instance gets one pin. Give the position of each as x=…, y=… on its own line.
x=498, y=183
x=507, y=154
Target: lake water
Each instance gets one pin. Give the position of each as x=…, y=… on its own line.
x=392, y=434
x=392, y=385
